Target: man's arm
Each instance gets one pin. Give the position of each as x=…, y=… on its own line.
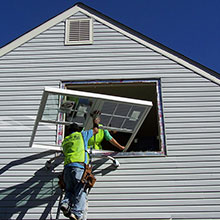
x=116, y=144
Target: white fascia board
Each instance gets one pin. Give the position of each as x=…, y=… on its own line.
x=31, y=34
x=155, y=48
x=97, y=96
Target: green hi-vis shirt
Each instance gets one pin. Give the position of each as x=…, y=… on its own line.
x=96, y=144
x=74, y=149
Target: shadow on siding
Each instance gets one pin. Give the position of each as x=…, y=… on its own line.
x=36, y=196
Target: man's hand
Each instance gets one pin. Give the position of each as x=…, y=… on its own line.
x=122, y=148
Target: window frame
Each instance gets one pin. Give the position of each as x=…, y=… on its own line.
x=160, y=114
x=98, y=101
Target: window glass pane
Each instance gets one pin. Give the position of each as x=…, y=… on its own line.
x=51, y=108
x=76, y=109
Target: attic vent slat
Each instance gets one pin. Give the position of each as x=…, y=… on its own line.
x=79, y=31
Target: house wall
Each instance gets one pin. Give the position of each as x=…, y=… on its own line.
x=182, y=185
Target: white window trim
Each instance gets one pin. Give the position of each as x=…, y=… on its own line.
x=90, y=41
x=98, y=102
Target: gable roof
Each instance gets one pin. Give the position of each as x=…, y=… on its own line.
x=138, y=37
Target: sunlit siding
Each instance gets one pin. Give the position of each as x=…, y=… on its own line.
x=182, y=185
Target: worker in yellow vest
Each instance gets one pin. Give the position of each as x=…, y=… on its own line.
x=95, y=141
x=75, y=151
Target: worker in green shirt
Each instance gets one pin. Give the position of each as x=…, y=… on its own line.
x=95, y=141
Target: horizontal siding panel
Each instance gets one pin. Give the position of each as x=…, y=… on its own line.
x=157, y=216
x=20, y=108
x=136, y=173
x=153, y=203
x=47, y=139
x=184, y=105
x=80, y=50
x=77, y=59
x=193, y=125
x=20, y=98
x=192, y=114
x=23, y=126
x=192, y=94
x=167, y=176
x=17, y=119
x=201, y=135
x=143, y=203
x=192, y=119
x=153, y=196
x=199, y=147
x=192, y=183
x=13, y=144
x=20, y=103
x=26, y=133
x=141, y=166
x=105, y=65
x=24, y=93
x=26, y=152
x=161, y=209
x=61, y=63
x=29, y=83
x=191, y=99
x=205, y=197
x=126, y=44
x=194, y=131
x=145, y=161
x=107, y=75
x=194, y=141
x=98, y=40
x=178, y=81
x=160, y=189
x=28, y=164
x=192, y=152
x=191, y=89
x=20, y=112
x=21, y=88
x=152, y=170
x=181, y=84
x=193, y=109
x=159, y=177
x=50, y=70
x=58, y=33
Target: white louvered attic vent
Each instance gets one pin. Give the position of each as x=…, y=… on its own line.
x=79, y=31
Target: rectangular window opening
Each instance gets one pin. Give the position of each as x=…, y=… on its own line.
x=150, y=138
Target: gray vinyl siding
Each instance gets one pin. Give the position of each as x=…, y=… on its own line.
x=182, y=185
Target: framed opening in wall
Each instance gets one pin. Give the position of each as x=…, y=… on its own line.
x=150, y=137
x=131, y=111
x=64, y=107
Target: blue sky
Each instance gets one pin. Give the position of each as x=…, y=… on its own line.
x=190, y=27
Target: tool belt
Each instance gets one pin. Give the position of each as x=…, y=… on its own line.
x=88, y=179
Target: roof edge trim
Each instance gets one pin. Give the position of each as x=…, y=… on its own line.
x=36, y=31
x=152, y=46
